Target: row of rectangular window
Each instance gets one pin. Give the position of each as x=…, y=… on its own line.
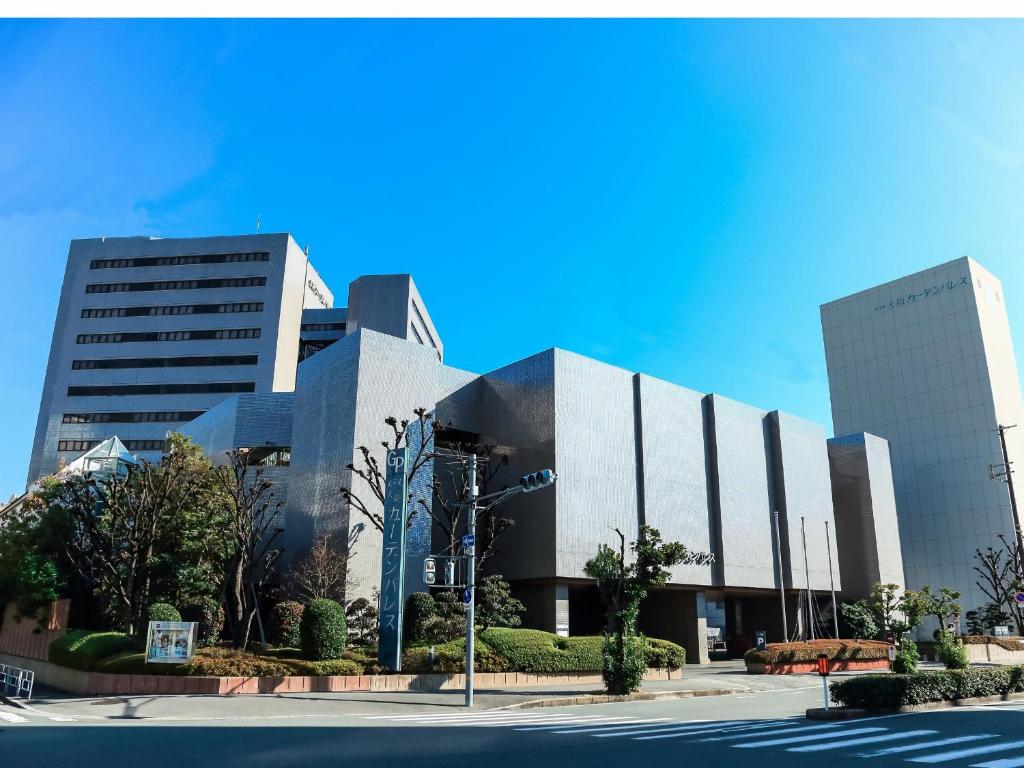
x=87, y=445
x=218, y=387
x=131, y=417
x=198, y=335
x=173, y=309
x=179, y=261
x=176, y=285
x=322, y=327
x=194, y=361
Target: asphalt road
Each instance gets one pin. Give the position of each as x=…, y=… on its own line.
x=760, y=729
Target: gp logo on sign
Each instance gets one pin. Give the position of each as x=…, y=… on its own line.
x=396, y=460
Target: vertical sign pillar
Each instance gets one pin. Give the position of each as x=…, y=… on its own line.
x=392, y=560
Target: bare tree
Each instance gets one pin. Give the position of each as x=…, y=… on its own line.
x=249, y=541
x=322, y=572
x=998, y=578
x=373, y=476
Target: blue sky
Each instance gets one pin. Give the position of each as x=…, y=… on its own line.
x=671, y=197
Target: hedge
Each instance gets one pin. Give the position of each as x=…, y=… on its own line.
x=837, y=650
x=82, y=649
x=1006, y=643
x=891, y=691
x=450, y=658
x=531, y=650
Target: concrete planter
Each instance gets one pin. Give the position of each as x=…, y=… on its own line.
x=809, y=667
x=105, y=684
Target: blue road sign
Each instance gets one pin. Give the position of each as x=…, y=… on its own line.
x=468, y=541
x=1018, y=597
x=467, y=596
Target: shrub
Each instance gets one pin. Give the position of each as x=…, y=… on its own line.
x=950, y=651
x=418, y=609
x=322, y=630
x=531, y=650
x=82, y=649
x=229, y=662
x=662, y=653
x=837, y=650
x=623, y=673
x=285, y=618
x=363, y=618
x=907, y=658
x=208, y=614
x=890, y=691
x=450, y=658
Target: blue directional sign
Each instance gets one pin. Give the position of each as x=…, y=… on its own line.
x=467, y=596
x=468, y=541
x=392, y=560
x=1018, y=597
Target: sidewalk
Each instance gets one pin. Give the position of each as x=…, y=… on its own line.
x=719, y=678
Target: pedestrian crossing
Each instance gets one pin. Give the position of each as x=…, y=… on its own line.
x=882, y=740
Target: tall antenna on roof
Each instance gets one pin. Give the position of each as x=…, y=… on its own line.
x=306, y=251
x=257, y=222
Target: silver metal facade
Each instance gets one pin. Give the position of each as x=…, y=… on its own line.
x=927, y=362
x=865, y=512
x=130, y=307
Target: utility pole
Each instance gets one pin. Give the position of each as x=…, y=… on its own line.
x=1006, y=475
x=807, y=575
x=470, y=597
x=832, y=583
x=782, y=578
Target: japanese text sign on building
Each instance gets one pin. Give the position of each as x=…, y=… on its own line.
x=392, y=559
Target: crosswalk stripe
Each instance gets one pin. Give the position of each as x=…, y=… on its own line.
x=1006, y=762
x=598, y=728
x=943, y=757
x=616, y=722
x=689, y=728
x=798, y=739
x=452, y=716
x=501, y=719
x=842, y=743
x=784, y=728
x=928, y=745
x=737, y=732
x=10, y=717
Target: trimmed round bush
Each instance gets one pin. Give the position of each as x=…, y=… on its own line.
x=323, y=631
x=531, y=650
x=157, y=612
x=663, y=653
x=284, y=623
x=208, y=613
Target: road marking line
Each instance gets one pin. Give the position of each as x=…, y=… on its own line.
x=599, y=722
x=599, y=728
x=928, y=745
x=450, y=716
x=943, y=757
x=1008, y=762
x=739, y=732
x=680, y=728
x=798, y=739
x=550, y=721
x=492, y=719
x=856, y=742
x=10, y=717
x=784, y=730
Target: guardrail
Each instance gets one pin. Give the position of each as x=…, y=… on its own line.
x=16, y=682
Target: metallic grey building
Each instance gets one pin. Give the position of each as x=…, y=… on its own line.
x=927, y=362
x=152, y=332
x=628, y=449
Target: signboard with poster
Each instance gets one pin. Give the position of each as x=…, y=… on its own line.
x=170, y=642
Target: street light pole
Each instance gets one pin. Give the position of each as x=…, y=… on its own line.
x=832, y=583
x=782, y=579
x=470, y=577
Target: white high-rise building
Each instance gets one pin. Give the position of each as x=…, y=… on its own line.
x=927, y=362
x=152, y=332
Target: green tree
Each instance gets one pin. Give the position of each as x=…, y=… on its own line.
x=495, y=606
x=942, y=604
x=860, y=619
x=623, y=586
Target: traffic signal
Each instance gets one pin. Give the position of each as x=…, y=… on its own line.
x=535, y=480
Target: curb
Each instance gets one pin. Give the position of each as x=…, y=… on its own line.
x=836, y=713
x=604, y=698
